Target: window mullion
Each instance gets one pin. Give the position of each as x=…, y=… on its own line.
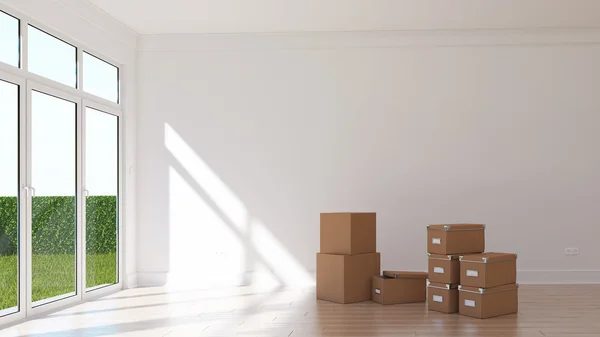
x=80, y=69
x=23, y=49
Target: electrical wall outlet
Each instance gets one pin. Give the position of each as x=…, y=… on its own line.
x=571, y=251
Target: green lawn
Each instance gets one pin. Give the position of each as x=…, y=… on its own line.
x=54, y=275
x=8, y=282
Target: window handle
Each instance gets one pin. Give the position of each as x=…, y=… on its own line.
x=29, y=189
x=87, y=192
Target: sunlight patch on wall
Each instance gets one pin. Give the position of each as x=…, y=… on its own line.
x=220, y=194
x=212, y=242
x=274, y=257
x=203, y=250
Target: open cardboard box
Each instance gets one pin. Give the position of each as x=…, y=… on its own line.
x=398, y=287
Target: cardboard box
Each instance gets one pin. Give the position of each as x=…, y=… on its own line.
x=488, y=270
x=348, y=233
x=397, y=287
x=490, y=302
x=444, y=268
x=442, y=297
x=346, y=278
x=455, y=239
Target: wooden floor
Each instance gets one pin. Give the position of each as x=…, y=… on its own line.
x=149, y=312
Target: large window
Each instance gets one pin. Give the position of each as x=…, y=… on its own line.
x=9, y=198
x=9, y=39
x=102, y=190
x=59, y=171
x=54, y=208
x=100, y=78
x=52, y=58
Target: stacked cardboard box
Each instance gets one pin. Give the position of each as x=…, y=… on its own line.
x=445, y=243
x=461, y=277
x=488, y=285
x=348, y=259
x=464, y=279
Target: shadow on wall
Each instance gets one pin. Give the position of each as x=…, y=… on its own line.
x=214, y=238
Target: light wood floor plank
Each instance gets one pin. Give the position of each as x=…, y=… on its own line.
x=549, y=310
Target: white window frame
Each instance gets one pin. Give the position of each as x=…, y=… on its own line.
x=99, y=292
x=33, y=86
x=23, y=194
x=23, y=72
x=80, y=72
x=27, y=82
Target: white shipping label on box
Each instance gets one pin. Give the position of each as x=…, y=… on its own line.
x=470, y=303
x=437, y=298
x=436, y=241
x=438, y=270
x=472, y=273
x=377, y=291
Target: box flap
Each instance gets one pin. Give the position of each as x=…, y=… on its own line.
x=383, y=277
x=488, y=257
x=441, y=285
x=442, y=257
x=456, y=227
x=406, y=274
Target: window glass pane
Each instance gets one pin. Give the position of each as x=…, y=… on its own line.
x=9, y=39
x=54, y=213
x=9, y=195
x=102, y=184
x=100, y=78
x=51, y=57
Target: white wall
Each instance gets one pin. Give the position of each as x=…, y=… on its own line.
x=245, y=139
x=106, y=37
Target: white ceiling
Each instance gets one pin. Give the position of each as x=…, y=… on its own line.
x=239, y=16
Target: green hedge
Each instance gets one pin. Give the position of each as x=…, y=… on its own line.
x=53, y=228
x=101, y=225
x=8, y=225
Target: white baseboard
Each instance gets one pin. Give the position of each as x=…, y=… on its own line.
x=157, y=279
x=558, y=276
x=548, y=276
x=130, y=281
x=160, y=279
x=152, y=279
